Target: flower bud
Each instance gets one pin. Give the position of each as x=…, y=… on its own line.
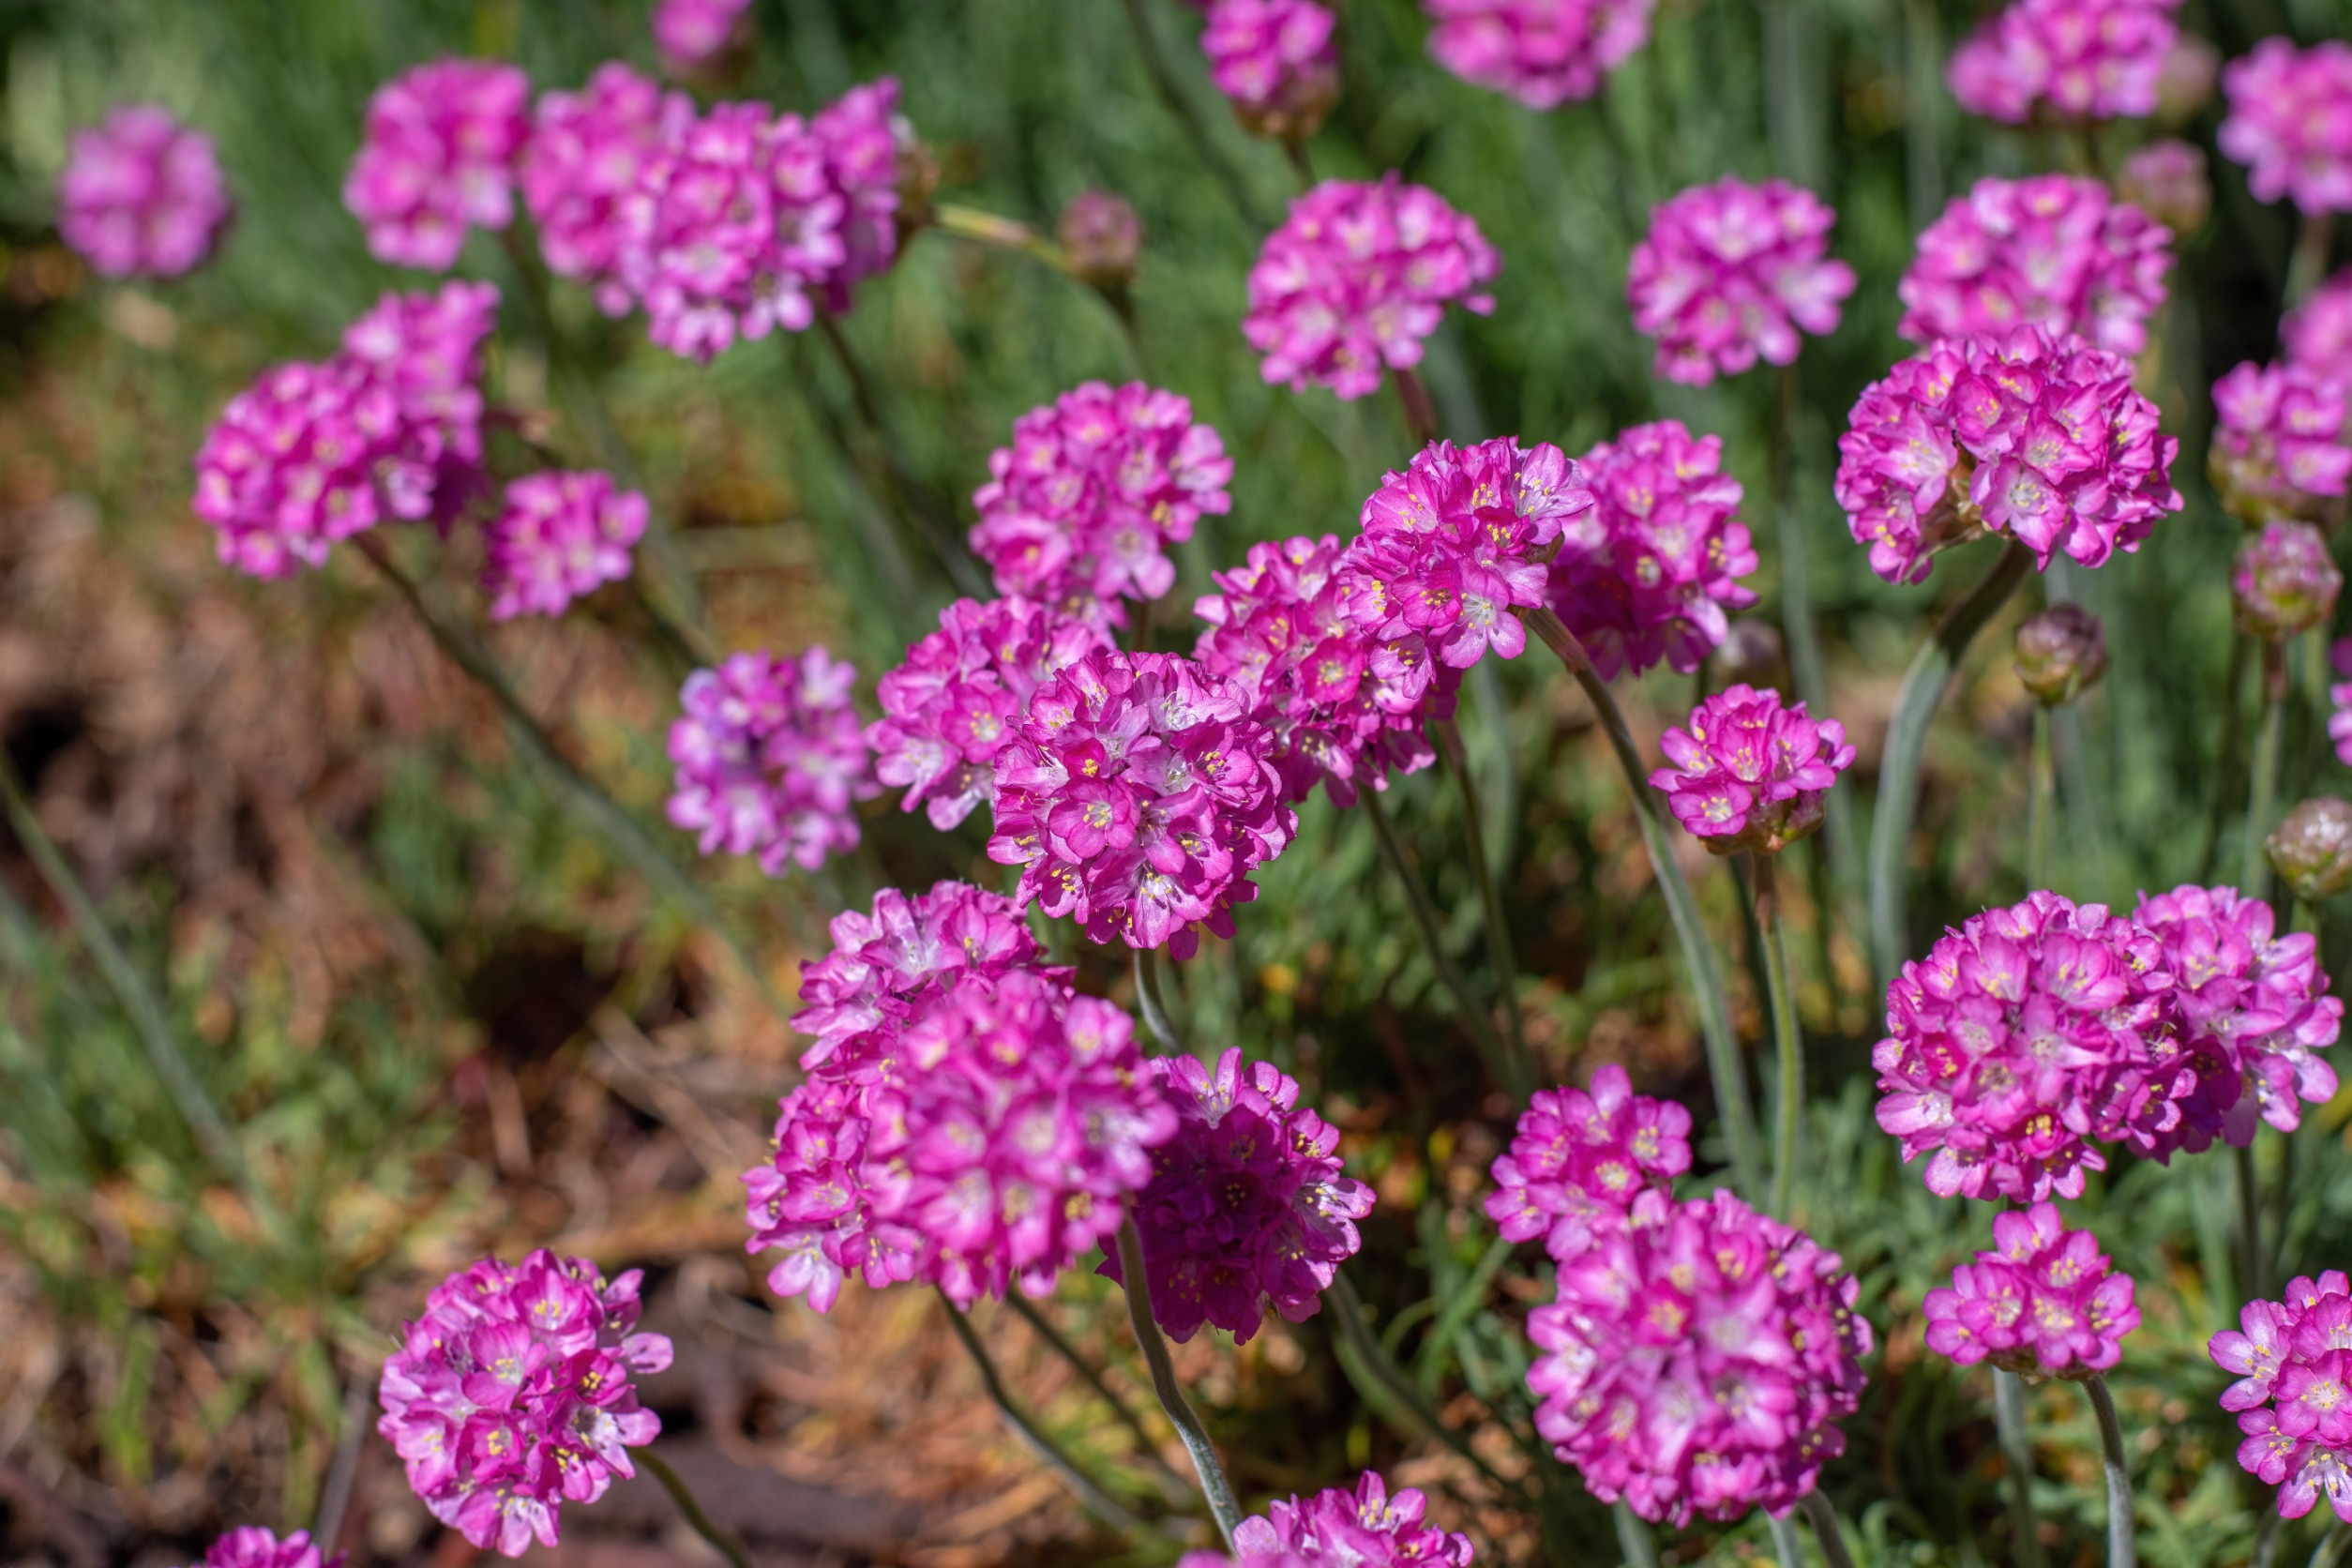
x=2061, y=654
x=2186, y=82
x=2311, y=849
x=2286, y=582
x=1103, y=238
x=1753, y=653
x=2167, y=181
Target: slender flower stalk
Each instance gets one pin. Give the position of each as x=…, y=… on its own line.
x=1213, y=1486
x=1000, y=234
x=1152, y=1004
x=2312, y=243
x=690, y=1509
x=1424, y=917
x=2254, y=1273
x=2330, y=1549
x=2122, y=1549
x=1788, y=1550
x=1787, y=1035
x=1356, y=1339
x=1420, y=408
x=2041, y=791
x=1096, y=1501
x=1633, y=1537
x=1147, y=1450
x=2262, y=796
x=2009, y=1419
x=1823, y=1519
x=1520, y=1075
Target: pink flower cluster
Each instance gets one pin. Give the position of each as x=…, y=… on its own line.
x=1276, y=60
x=1343, y=709
x=1730, y=273
x=1094, y=488
x=1365, y=1528
x=962, y=694
x=1581, y=1166
x=2073, y=60
x=1695, y=1363
x=390, y=428
x=2052, y=251
x=2290, y=122
x=439, y=158
x=2167, y=180
x=1356, y=278
x=2317, y=334
x=691, y=33
x=1749, y=773
x=1648, y=571
x=2041, y=1301
x=2294, y=1392
x=2340, y=700
x=2034, y=436
x=561, y=535
x=1246, y=1209
x=255, y=1547
x=1137, y=798
x=2277, y=451
x=1544, y=52
x=142, y=195
x=769, y=757
x=588, y=152
x=512, y=1396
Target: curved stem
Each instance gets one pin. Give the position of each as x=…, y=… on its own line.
x=1096, y=1502
x=2042, y=791
x=1787, y=1036
x=1634, y=1537
x=2253, y=1276
x=1042, y=1326
x=1519, y=1076
x=1787, y=1551
x=2008, y=1417
x=2261, y=796
x=998, y=233
x=691, y=1508
x=2121, y=1550
x=1150, y=1003
x=1823, y=1519
x=1475, y=1018
x=1213, y=1486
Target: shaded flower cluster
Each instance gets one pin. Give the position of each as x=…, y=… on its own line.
x=1363, y=1528
x=254, y=1547
x=1750, y=773
x=1276, y=60
x=2317, y=334
x=2290, y=122
x=770, y=758
x=1731, y=273
x=1544, y=52
x=1581, y=1164
x=2041, y=1301
x=588, y=151
x=561, y=535
x=438, y=159
x=142, y=195
x=2277, y=449
x=2052, y=251
x=2073, y=60
x=2168, y=181
x=692, y=32
x=2293, y=1373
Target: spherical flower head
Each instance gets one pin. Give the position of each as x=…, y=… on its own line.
x=253, y=1547
x=1096, y=487
x=1363, y=1528
x=2277, y=451
x=2025, y=1038
x=2041, y=1301
x=1581, y=1164
x=142, y=195
x=2290, y=122
x=512, y=1396
x=1101, y=238
x=1731, y=273
x=2311, y=849
x=771, y=757
x=1544, y=52
x=561, y=535
x=2293, y=1376
x=1750, y=773
x=1646, y=573
x=2285, y=581
x=439, y=158
x=587, y=152
x=1696, y=1365
x=1277, y=61
x=2069, y=60
x=993, y=1139
x=2167, y=180
x=2053, y=252
x=960, y=697
x=693, y=33
x=2035, y=436
x=1247, y=1208
x=2317, y=334
x=1356, y=278
x=1137, y=798
x=2060, y=653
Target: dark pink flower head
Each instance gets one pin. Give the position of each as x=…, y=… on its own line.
x=2285, y=581
x=1695, y=1363
x=864, y=138
x=771, y=757
x=1750, y=773
x=2251, y=1009
x=561, y=535
x=2167, y=180
x=2293, y=1396
x=1277, y=61
x=993, y=1138
x=2277, y=451
x=1580, y=1164
x=512, y=1396
x=254, y=1547
x=1646, y=573
x=1247, y=1208
x=2317, y=334
x=2035, y=436
x=1096, y=487
x=2041, y=1301
x=438, y=160
x=2052, y=251
x=692, y=32
x=2024, y=1039
x=142, y=195
x=1137, y=800
x=588, y=150
x=2073, y=60
x=1544, y=52
x=1338, y=1529
x=1730, y=273
x=1343, y=710
x=2290, y=122
x=960, y=697
x=1356, y=278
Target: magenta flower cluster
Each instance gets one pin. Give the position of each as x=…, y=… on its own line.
x=1583, y=1166
x=2293, y=1361
x=1246, y=1209
x=1096, y=487
x=2340, y=700
x=1731, y=273
x=2041, y=1301
x=1276, y=60
x=560, y=536
x=1647, y=572
x=2317, y=334
x=2290, y=122
x=2278, y=447
x=588, y=152
x=438, y=159
x=1544, y=52
x=2073, y=60
x=142, y=195
x=1137, y=798
x=692, y=32
x=512, y=1396
x=254, y=1547
x=770, y=758
x=2035, y=436
x=2052, y=251
x=1363, y=1528
x=1356, y=278
x=1750, y=773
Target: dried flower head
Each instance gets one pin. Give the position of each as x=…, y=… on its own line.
x=142, y=195
x=2052, y=251
x=1731, y=273
x=771, y=757
x=1580, y=1164
x=2311, y=849
x=2041, y=1301
x=1750, y=773
x=438, y=160
x=2167, y=180
x=1544, y=52
x=561, y=537
x=2060, y=652
x=2285, y=581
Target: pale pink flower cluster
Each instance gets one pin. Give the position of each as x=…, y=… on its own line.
x=1731, y=273
x=2041, y=1302
x=1581, y=1164
x=2293, y=1361
x=2277, y=451
x=1544, y=52
x=1338, y=1528
x=142, y=195
x=561, y=535
x=438, y=160
x=2290, y=122
x=692, y=32
x=1276, y=60
x=1749, y=773
x=2073, y=60
x=2052, y=251
x=588, y=150
x=771, y=759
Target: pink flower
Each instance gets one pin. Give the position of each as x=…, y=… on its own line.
x=1356, y=278
x=1276, y=60
x=864, y=137
x=255, y=1547
x=512, y=1396
x=587, y=153
x=2050, y=251
x=1365, y=1528
x=1749, y=773
x=1646, y=574
x=2285, y=581
x=142, y=195
x=2290, y=122
x=2041, y=1302
x=2034, y=436
x=2278, y=451
x=770, y=757
x=2294, y=1392
x=691, y=33
x=2167, y=180
x=1247, y=1209
x=1544, y=52
x=2075, y=60
x=561, y=537
x=439, y=158
x=1094, y=488
x=2340, y=700
x=2023, y=1039
x=2318, y=333
x=1730, y=273
x=1581, y=1165
x=1137, y=798
x=1695, y=1363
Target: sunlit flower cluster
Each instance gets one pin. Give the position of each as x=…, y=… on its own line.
x=2053, y=250
x=1731, y=273
x=2041, y=1301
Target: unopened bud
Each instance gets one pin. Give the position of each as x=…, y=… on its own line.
x=2061, y=654
x=1753, y=653
x=2311, y=849
x=2286, y=582
x=1103, y=238
x=2167, y=181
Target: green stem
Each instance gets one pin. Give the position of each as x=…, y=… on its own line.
x=1519, y=1076
x=2330, y=1549
x=2310, y=265
x=1197, y=131
x=2254, y=1280
x=1787, y=1551
x=1357, y=1339
x=2265, y=1547
x=1050, y=1452
x=1823, y=1519
x=2232, y=734
x=1424, y=917
x=1421, y=410
x=2261, y=796
x=1000, y=234
x=1468, y=1300
x=1301, y=164
x=1634, y=1537
x=690, y=1508
x=1787, y=1036
x=1152, y=1005
x=1042, y=1326
x=1213, y=1486
x=2042, y=791
x=2122, y=1552
x=2008, y=1417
